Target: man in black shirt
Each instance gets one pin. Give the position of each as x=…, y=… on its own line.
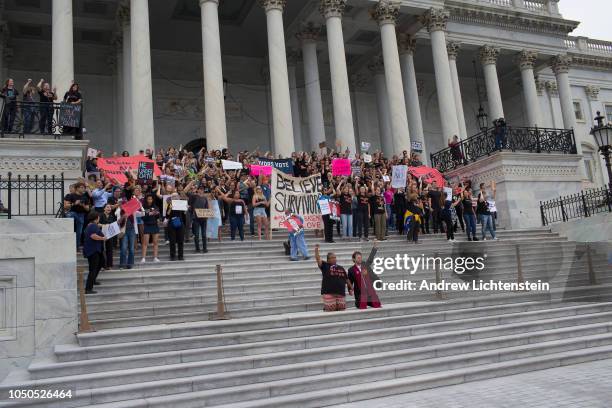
x=334, y=282
x=78, y=205
x=434, y=203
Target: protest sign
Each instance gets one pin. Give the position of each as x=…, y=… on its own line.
x=365, y=146
x=449, y=193
x=205, y=213
x=428, y=174
x=297, y=194
x=257, y=169
x=324, y=206
x=70, y=115
x=367, y=158
x=115, y=167
x=334, y=207
x=284, y=165
x=131, y=206
x=386, y=178
x=231, y=165
x=179, y=205
x=356, y=171
x=341, y=167
x=91, y=152
x=145, y=172
x=111, y=230
x=416, y=146
x=293, y=224
x=399, y=176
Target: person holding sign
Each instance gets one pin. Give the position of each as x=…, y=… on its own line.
x=259, y=212
x=150, y=227
x=92, y=250
x=297, y=239
x=107, y=218
x=175, y=221
x=199, y=203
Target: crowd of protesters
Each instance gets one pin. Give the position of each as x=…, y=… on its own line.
x=368, y=204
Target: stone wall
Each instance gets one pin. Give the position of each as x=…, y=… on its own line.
x=38, y=289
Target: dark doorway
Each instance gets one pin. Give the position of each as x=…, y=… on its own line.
x=195, y=145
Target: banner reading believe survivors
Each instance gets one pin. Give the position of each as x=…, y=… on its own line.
x=298, y=194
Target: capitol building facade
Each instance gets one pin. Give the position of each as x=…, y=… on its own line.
x=286, y=75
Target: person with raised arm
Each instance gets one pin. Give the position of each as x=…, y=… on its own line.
x=362, y=279
x=334, y=282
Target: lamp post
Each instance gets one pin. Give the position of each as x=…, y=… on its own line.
x=603, y=136
x=481, y=117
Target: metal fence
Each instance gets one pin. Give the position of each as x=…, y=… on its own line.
x=31, y=196
x=584, y=204
x=41, y=118
x=485, y=143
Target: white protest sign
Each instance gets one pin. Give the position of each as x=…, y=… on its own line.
x=386, y=178
x=91, y=152
x=365, y=146
x=399, y=175
x=111, y=230
x=179, y=205
x=367, y=158
x=492, y=206
x=325, y=208
x=231, y=165
x=449, y=193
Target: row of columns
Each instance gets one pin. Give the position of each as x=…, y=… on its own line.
x=395, y=78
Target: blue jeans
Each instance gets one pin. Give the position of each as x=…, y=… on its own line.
x=79, y=222
x=237, y=222
x=390, y=218
x=347, y=225
x=470, y=225
x=486, y=222
x=126, y=255
x=298, y=243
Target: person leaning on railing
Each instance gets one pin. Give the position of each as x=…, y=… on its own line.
x=74, y=97
x=46, y=97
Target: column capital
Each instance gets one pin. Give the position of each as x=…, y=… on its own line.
x=592, y=92
x=406, y=43
x=540, y=86
x=526, y=59
x=488, y=54
x=385, y=12
x=377, y=66
x=332, y=8
x=293, y=56
x=560, y=64
x=272, y=4
x=551, y=88
x=435, y=19
x=308, y=32
x=453, y=48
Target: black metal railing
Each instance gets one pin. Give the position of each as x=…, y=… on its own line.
x=584, y=204
x=487, y=142
x=41, y=118
x=31, y=196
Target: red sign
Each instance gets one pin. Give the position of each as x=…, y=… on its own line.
x=293, y=224
x=131, y=206
x=429, y=175
x=115, y=167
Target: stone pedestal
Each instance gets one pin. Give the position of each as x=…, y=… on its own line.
x=38, y=289
x=522, y=181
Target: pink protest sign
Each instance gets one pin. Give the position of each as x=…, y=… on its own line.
x=341, y=167
x=257, y=169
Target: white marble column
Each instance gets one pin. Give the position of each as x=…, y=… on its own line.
x=377, y=69
x=526, y=60
x=126, y=75
x=312, y=87
x=62, y=46
x=332, y=11
x=119, y=136
x=488, y=57
x=386, y=14
x=279, y=78
x=560, y=65
x=435, y=20
x=293, y=57
x=407, y=48
x=453, y=48
x=214, y=99
x=143, y=127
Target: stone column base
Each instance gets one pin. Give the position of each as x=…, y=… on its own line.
x=522, y=181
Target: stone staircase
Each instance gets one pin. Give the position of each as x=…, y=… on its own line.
x=157, y=347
